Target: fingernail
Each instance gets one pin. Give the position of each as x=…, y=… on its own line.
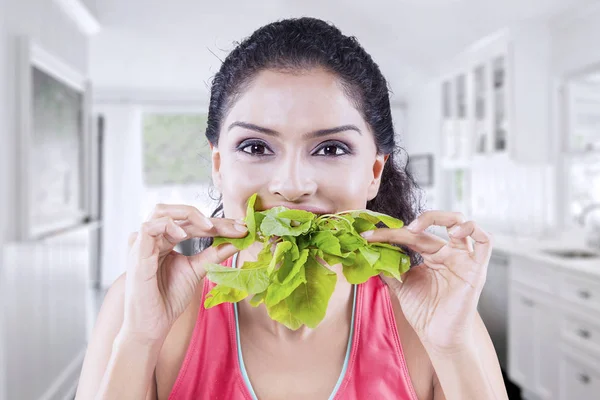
x=367, y=234
x=453, y=231
x=180, y=232
x=240, y=227
x=240, y=221
x=208, y=223
x=413, y=225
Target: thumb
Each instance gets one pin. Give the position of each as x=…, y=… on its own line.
x=211, y=255
x=394, y=284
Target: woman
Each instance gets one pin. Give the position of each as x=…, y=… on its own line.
x=299, y=114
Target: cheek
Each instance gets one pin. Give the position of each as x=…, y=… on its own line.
x=347, y=186
x=238, y=182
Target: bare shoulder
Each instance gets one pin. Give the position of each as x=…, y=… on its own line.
x=419, y=365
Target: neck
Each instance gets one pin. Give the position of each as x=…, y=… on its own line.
x=338, y=315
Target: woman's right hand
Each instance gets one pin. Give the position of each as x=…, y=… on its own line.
x=161, y=282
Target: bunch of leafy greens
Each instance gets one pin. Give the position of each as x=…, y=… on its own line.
x=290, y=280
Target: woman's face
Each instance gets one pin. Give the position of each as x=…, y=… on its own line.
x=297, y=141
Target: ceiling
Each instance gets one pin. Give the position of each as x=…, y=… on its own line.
x=176, y=45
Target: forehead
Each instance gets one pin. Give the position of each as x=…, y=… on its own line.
x=306, y=100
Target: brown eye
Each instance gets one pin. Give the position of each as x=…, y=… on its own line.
x=332, y=150
x=255, y=148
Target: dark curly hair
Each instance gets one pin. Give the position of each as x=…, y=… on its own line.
x=305, y=43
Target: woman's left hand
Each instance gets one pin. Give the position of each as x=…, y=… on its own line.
x=439, y=297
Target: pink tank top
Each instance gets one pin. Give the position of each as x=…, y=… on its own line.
x=375, y=367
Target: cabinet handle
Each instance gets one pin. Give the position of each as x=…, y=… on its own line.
x=584, y=378
x=584, y=333
x=584, y=294
x=527, y=302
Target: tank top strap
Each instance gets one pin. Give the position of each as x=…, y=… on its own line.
x=210, y=369
x=377, y=367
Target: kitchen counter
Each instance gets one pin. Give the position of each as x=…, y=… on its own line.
x=534, y=248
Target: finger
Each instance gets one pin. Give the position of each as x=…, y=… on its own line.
x=196, y=224
x=150, y=244
x=424, y=242
x=149, y=239
x=132, y=239
x=221, y=227
x=459, y=236
x=181, y=212
x=482, y=241
x=441, y=218
x=212, y=255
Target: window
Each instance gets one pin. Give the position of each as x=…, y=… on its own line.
x=177, y=161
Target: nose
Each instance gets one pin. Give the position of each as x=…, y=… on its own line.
x=292, y=180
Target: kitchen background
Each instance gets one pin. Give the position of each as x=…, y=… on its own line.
x=102, y=110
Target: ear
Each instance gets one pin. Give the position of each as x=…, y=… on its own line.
x=216, y=166
x=378, y=165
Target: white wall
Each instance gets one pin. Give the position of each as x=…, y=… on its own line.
x=423, y=132
x=121, y=59
x=50, y=28
x=576, y=43
x=123, y=184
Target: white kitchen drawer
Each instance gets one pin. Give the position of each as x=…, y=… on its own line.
x=534, y=274
x=578, y=379
x=580, y=290
x=582, y=333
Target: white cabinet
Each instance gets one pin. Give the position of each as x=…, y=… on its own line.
x=532, y=341
x=495, y=99
x=476, y=101
x=553, y=330
x=579, y=378
x=46, y=284
x=582, y=291
x=582, y=100
x=521, y=340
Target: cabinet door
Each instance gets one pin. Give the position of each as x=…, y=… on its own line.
x=481, y=92
x=448, y=121
x=582, y=113
x=521, y=338
x=500, y=97
x=464, y=142
x=532, y=342
x=578, y=379
x=546, y=336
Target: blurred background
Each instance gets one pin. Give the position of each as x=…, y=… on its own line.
x=102, y=111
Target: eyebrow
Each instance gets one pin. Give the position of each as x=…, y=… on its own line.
x=271, y=132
